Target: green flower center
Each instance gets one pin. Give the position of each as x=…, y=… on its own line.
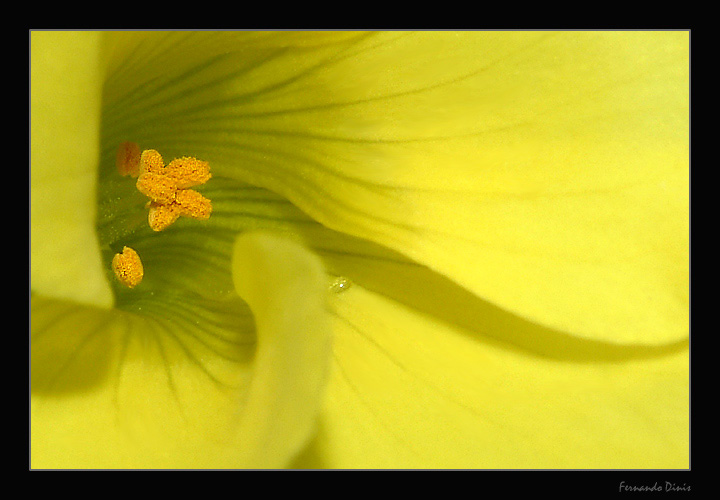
x=178, y=108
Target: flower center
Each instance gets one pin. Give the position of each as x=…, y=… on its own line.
x=168, y=188
x=140, y=203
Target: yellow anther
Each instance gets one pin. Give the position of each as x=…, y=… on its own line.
x=161, y=216
x=188, y=172
x=127, y=159
x=193, y=204
x=167, y=188
x=158, y=187
x=127, y=267
x=151, y=161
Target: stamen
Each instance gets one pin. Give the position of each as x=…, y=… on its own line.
x=127, y=267
x=151, y=161
x=158, y=187
x=193, y=204
x=127, y=159
x=188, y=172
x=161, y=216
x=167, y=188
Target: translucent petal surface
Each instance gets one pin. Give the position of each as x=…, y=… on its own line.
x=112, y=389
x=182, y=384
x=545, y=172
x=520, y=299
x=285, y=287
x=410, y=391
x=65, y=92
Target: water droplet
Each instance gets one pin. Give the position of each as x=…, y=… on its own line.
x=340, y=284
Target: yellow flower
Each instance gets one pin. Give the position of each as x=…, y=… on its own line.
x=490, y=227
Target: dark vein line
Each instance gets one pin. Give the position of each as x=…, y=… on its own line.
x=361, y=255
x=125, y=343
x=189, y=331
x=248, y=96
x=358, y=394
x=189, y=354
x=79, y=347
x=279, y=174
x=71, y=310
x=147, y=59
x=412, y=375
x=428, y=88
x=131, y=109
x=189, y=257
x=167, y=366
x=178, y=314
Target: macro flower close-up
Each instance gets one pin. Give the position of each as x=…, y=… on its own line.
x=359, y=250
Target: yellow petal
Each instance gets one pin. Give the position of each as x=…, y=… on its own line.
x=284, y=286
x=182, y=383
x=545, y=172
x=410, y=391
x=531, y=174
x=65, y=93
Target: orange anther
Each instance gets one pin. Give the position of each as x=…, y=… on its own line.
x=158, y=187
x=193, y=204
x=127, y=159
x=127, y=267
x=188, y=172
x=151, y=161
x=167, y=186
x=161, y=216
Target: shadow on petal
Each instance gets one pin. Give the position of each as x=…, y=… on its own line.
x=396, y=277
x=72, y=346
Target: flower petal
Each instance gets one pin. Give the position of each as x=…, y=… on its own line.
x=410, y=391
x=545, y=172
x=170, y=384
x=284, y=286
x=66, y=83
x=196, y=257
